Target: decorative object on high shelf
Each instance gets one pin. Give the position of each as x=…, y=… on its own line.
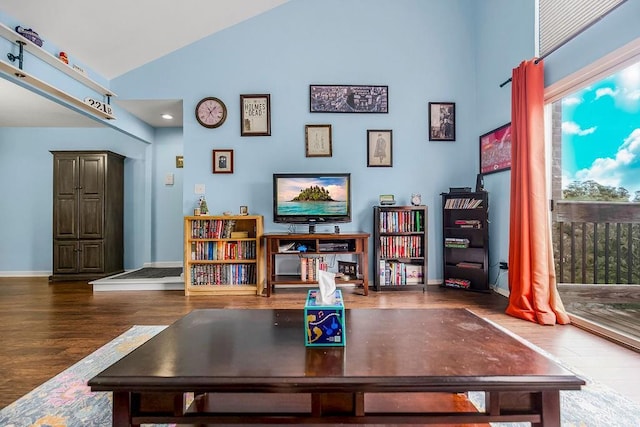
x=379, y=148
x=495, y=150
x=222, y=255
x=244, y=210
x=222, y=161
x=416, y=199
x=255, y=115
x=465, y=232
x=30, y=35
x=211, y=112
x=400, y=247
x=442, y=121
x=348, y=99
x=63, y=57
x=88, y=221
x=317, y=140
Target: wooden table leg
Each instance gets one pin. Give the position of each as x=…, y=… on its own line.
x=121, y=409
x=550, y=409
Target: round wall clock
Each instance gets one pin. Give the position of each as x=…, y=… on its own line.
x=211, y=112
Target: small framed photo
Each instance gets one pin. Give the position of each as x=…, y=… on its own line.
x=255, y=115
x=244, y=210
x=179, y=162
x=379, y=148
x=222, y=161
x=442, y=121
x=317, y=140
x=495, y=150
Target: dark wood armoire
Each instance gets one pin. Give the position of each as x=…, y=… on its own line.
x=88, y=210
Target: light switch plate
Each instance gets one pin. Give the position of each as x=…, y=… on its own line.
x=168, y=179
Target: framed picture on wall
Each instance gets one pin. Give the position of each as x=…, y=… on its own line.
x=442, y=121
x=222, y=161
x=348, y=99
x=318, y=140
x=255, y=115
x=379, y=148
x=495, y=150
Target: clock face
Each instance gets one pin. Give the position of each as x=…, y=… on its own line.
x=416, y=199
x=211, y=112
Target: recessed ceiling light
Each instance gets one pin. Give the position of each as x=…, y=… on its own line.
x=167, y=116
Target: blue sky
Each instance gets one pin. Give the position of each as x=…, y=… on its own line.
x=601, y=132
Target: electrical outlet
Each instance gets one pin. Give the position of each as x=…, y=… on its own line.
x=504, y=265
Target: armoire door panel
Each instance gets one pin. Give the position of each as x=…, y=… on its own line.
x=66, y=179
x=65, y=257
x=65, y=218
x=91, y=257
x=92, y=176
x=91, y=218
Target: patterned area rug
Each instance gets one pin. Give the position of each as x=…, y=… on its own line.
x=66, y=401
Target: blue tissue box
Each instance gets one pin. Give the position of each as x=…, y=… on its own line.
x=324, y=325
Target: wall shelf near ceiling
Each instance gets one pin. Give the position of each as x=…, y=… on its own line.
x=41, y=85
x=50, y=59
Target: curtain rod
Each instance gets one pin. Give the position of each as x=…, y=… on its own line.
x=573, y=36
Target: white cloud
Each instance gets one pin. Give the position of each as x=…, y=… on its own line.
x=571, y=100
x=572, y=128
x=606, y=91
x=621, y=171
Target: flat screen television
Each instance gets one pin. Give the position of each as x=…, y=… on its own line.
x=311, y=198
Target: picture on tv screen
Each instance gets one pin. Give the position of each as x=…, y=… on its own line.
x=311, y=197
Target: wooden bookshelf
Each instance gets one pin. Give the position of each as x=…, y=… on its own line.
x=400, y=247
x=223, y=255
x=288, y=245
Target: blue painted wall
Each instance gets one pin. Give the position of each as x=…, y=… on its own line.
x=424, y=50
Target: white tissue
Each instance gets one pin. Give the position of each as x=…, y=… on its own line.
x=327, y=282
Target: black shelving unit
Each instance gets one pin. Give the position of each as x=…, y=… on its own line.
x=465, y=231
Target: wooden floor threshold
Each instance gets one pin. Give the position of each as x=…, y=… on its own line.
x=612, y=335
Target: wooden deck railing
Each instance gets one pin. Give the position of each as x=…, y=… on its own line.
x=597, y=242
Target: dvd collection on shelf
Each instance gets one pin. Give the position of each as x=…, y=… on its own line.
x=462, y=203
x=456, y=242
x=214, y=250
x=222, y=274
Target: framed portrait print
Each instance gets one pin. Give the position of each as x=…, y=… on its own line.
x=317, y=140
x=379, y=148
x=255, y=115
x=495, y=150
x=442, y=121
x=222, y=161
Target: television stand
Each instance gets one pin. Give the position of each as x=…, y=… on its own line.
x=316, y=245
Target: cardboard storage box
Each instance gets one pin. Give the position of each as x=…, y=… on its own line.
x=324, y=325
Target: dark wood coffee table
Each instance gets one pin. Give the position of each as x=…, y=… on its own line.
x=251, y=366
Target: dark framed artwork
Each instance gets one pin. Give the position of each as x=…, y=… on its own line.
x=255, y=115
x=348, y=99
x=495, y=150
x=317, y=139
x=442, y=121
x=222, y=161
x=379, y=148
x=179, y=162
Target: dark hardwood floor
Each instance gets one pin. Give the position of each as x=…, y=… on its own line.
x=46, y=327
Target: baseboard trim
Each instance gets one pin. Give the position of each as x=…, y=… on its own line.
x=25, y=273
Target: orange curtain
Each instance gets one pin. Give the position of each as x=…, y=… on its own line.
x=532, y=281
